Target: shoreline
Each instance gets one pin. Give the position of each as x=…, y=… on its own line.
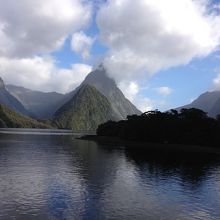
x=141, y=145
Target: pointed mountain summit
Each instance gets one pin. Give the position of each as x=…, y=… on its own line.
x=43, y=105
x=85, y=110
x=95, y=101
x=10, y=101
x=107, y=86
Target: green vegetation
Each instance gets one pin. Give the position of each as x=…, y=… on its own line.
x=11, y=119
x=189, y=126
x=10, y=101
x=107, y=87
x=41, y=105
x=85, y=111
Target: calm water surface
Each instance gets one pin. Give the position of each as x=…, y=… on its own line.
x=54, y=176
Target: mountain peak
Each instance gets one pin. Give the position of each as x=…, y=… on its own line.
x=98, y=98
x=107, y=86
x=85, y=111
x=99, y=79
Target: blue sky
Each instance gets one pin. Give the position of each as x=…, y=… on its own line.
x=162, y=54
x=186, y=81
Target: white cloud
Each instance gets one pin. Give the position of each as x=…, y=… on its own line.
x=216, y=83
x=164, y=90
x=216, y=80
x=144, y=104
x=147, y=104
x=41, y=73
x=29, y=31
x=145, y=36
x=30, y=27
x=81, y=43
x=129, y=89
x=134, y=93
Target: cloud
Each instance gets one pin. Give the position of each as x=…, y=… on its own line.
x=30, y=27
x=81, y=44
x=164, y=90
x=216, y=83
x=41, y=73
x=216, y=80
x=134, y=93
x=146, y=36
x=130, y=89
x=144, y=104
x=29, y=31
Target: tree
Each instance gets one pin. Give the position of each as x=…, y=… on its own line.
x=193, y=113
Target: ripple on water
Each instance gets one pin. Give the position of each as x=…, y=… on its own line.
x=57, y=177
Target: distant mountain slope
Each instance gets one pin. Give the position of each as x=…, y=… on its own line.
x=215, y=110
x=85, y=111
x=107, y=86
x=208, y=102
x=41, y=105
x=10, y=101
x=44, y=105
x=11, y=119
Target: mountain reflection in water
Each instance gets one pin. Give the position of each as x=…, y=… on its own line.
x=59, y=177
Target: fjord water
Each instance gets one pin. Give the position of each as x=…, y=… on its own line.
x=47, y=175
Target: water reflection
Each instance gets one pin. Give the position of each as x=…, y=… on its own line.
x=58, y=177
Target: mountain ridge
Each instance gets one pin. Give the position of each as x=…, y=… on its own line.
x=85, y=110
x=10, y=101
x=12, y=119
x=44, y=105
x=208, y=102
x=107, y=86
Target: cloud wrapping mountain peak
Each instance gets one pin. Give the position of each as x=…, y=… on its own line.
x=146, y=36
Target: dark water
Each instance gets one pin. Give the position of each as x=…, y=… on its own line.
x=57, y=177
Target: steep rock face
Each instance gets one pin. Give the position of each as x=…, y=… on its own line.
x=10, y=101
x=107, y=86
x=41, y=105
x=85, y=110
